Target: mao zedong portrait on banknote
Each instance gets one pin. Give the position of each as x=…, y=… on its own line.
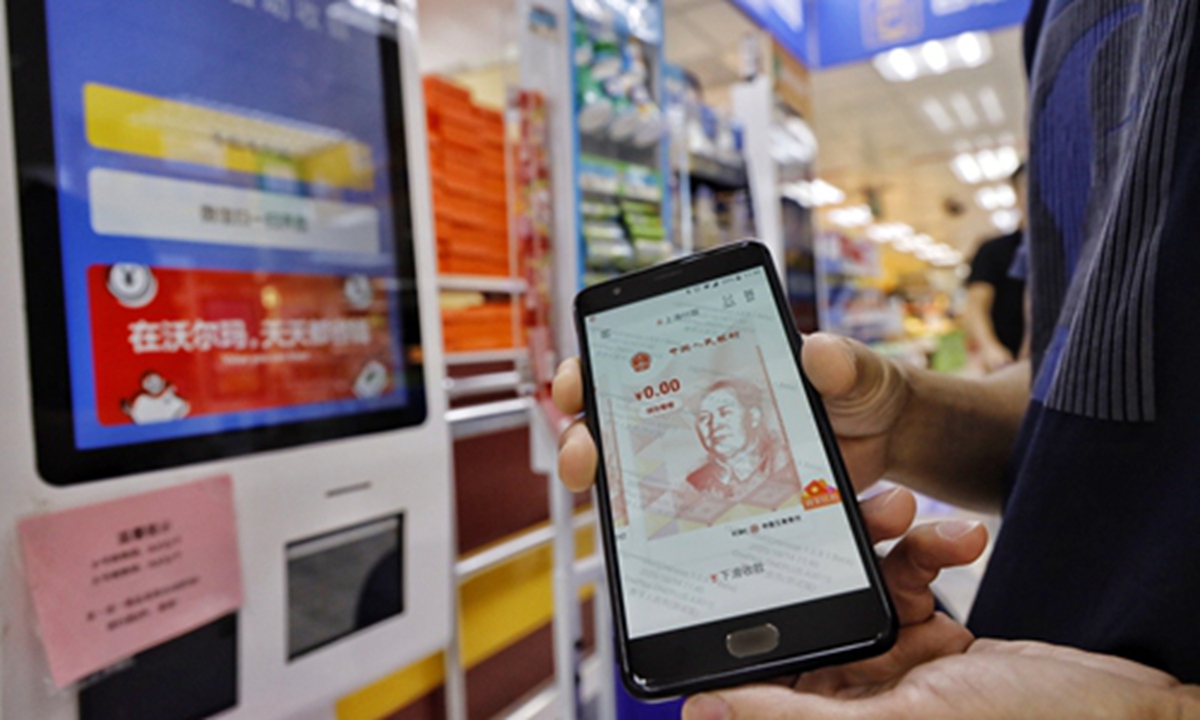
x=743, y=452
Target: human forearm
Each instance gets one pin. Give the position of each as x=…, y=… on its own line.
x=955, y=436
x=977, y=315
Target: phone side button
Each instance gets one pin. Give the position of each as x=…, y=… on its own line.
x=752, y=641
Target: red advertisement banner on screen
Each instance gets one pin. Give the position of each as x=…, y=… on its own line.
x=175, y=343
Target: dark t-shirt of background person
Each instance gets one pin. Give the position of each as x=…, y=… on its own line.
x=990, y=265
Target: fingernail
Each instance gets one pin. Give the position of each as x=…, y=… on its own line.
x=883, y=499
x=954, y=529
x=705, y=707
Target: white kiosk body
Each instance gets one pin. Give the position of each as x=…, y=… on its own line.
x=216, y=259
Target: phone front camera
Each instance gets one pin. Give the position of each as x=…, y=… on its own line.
x=617, y=290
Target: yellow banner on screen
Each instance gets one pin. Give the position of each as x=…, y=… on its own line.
x=231, y=139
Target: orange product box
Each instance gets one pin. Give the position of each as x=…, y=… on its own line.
x=495, y=172
x=492, y=214
x=474, y=343
x=492, y=165
x=466, y=191
x=494, y=190
x=458, y=246
x=440, y=90
x=461, y=154
x=461, y=172
x=493, y=143
x=494, y=220
x=490, y=140
x=489, y=116
x=436, y=151
x=490, y=329
x=458, y=119
x=450, y=202
x=465, y=266
x=458, y=134
x=473, y=249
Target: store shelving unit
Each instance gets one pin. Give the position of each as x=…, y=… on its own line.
x=481, y=283
x=486, y=357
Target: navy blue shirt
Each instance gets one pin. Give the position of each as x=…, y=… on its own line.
x=1100, y=545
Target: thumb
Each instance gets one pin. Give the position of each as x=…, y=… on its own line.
x=773, y=702
x=841, y=368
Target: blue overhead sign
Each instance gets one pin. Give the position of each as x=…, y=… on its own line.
x=824, y=33
x=785, y=21
x=851, y=30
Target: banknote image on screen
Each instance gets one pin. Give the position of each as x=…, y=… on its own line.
x=723, y=499
x=724, y=436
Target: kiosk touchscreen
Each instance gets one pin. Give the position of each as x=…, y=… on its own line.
x=215, y=260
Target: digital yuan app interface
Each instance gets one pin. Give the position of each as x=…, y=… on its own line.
x=722, y=498
x=230, y=230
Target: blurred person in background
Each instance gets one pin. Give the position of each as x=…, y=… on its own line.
x=995, y=314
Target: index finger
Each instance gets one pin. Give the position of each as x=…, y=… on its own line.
x=567, y=389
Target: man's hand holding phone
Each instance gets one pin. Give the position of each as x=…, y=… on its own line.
x=864, y=399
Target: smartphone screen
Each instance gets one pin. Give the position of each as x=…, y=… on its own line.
x=734, y=544
x=723, y=499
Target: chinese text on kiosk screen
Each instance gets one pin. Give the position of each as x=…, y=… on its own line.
x=722, y=498
x=227, y=218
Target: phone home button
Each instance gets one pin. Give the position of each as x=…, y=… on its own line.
x=752, y=641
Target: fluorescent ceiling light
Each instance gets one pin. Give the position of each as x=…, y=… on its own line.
x=826, y=194
x=990, y=102
x=966, y=168
x=903, y=64
x=890, y=232
x=974, y=49
x=1008, y=159
x=936, y=112
x=964, y=110
x=851, y=217
x=987, y=164
x=935, y=57
x=996, y=197
x=897, y=65
x=985, y=199
x=1006, y=220
x=941, y=255
x=817, y=193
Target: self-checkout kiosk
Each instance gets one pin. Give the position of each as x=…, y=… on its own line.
x=216, y=276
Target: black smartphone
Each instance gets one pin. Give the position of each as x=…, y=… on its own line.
x=734, y=545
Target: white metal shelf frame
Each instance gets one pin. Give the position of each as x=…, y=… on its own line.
x=571, y=574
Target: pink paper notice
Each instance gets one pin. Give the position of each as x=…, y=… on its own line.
x=112, y=579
